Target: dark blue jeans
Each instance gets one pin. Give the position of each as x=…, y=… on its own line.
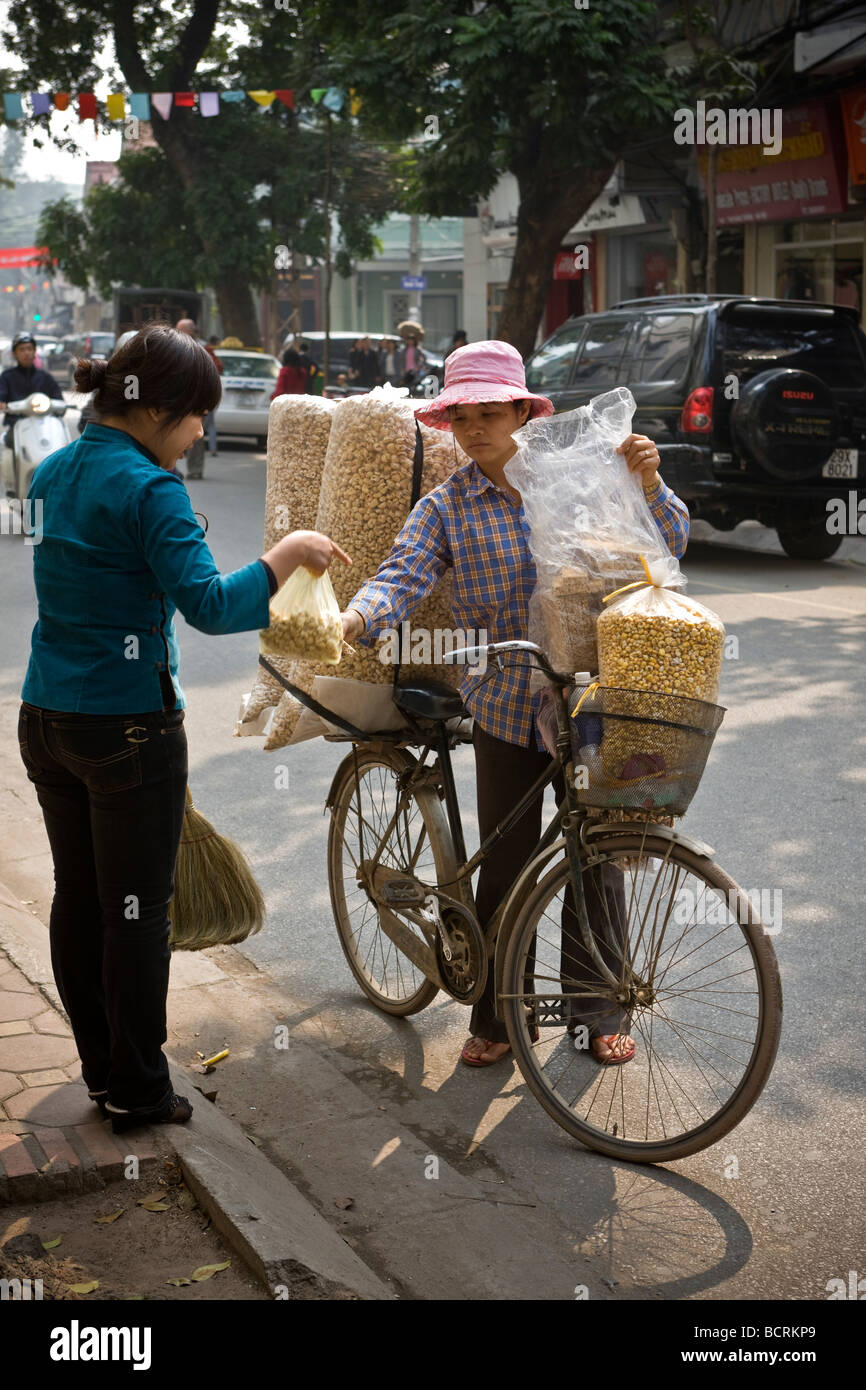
x=112, y=791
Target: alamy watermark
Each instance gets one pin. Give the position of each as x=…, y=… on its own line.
x=846, y=516
x=716, y=909
x=423, y=646
x=736, y=126
x=22, y=518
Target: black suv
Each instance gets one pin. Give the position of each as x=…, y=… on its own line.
x=758, y=406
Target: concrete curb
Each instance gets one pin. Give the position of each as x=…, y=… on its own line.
x=275, y=1230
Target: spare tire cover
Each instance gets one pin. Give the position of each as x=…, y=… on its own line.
x=786, y=421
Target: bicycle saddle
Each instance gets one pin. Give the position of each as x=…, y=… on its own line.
x=429, y=700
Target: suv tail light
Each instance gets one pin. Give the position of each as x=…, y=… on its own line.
x=697, y=416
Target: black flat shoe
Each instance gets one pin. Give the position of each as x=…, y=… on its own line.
x=99, y=1098
x=176, y=1111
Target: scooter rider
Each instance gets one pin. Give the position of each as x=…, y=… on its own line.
x=15, y=384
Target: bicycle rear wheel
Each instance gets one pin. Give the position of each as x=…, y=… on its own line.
x=419, y=844
x=699, y=983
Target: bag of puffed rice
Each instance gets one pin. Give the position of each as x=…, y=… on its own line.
x=305, y=620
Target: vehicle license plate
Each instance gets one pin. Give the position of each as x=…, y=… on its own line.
x=842, y=463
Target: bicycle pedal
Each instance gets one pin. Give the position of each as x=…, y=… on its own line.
x=404, y=891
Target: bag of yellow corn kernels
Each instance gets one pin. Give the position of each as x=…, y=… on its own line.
x=652, y=638
x=305, y=620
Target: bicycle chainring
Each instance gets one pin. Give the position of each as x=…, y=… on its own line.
x=462, y=973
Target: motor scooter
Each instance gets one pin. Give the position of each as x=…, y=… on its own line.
x=38, y=431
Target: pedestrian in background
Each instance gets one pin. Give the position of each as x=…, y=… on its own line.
x=391, y=362
x=413, y=361
x=121, y=551
x=459, y=340
x=210, y=418
x=292, y=379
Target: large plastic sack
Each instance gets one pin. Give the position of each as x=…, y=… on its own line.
x=298, y=432
x=365, y=497
x=589, y=523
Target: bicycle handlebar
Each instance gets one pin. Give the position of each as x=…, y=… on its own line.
x=495, y=649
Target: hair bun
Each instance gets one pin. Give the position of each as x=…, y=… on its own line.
x=90, y=373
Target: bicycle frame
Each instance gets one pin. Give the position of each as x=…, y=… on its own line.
x=566, y=821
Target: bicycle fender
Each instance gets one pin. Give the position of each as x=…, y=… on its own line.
x=660, y=832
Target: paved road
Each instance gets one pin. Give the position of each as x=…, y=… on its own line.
x=782, y=802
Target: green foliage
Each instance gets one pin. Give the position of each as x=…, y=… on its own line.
x=192, y=204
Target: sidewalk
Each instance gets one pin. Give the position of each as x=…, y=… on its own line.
x=52, y=1137
x=53, y=1140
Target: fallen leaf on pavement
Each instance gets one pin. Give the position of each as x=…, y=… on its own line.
x=208, y=1271
x=156, y=1206
x=51, y=1244
x=106, y=1220
x=177, y=1283
x=84, y=1288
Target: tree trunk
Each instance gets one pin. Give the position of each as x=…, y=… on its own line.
x=541, y=226
x=238, y=311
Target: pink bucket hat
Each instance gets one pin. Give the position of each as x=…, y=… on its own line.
x=491, y=371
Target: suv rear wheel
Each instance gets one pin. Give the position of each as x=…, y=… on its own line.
x=807, y=538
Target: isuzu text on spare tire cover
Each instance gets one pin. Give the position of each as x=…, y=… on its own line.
x=786, y=421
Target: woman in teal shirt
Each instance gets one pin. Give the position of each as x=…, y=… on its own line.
x=101, y=722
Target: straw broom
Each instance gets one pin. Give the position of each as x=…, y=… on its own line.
x=216, y=902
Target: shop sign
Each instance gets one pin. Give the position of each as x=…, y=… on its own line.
x=570, y=265
x=854, y=113
x=802, y=180
x=620, y=210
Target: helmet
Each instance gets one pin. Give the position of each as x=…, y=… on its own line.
x=22, y=338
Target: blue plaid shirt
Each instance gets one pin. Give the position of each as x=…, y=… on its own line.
x=479, y=531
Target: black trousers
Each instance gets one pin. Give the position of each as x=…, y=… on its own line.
x=112, y=790
x=504, y=772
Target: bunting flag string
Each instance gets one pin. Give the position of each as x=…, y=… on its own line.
x=139, y=104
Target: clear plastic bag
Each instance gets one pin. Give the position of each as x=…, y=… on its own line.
x=589, y=523
x=305, y=619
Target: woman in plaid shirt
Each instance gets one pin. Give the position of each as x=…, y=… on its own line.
x=474, y=524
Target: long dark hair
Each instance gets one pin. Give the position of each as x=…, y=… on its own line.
x=159, y=367
x=291, y=358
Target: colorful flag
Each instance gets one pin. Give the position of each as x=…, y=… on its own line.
x=285, y=96
x=209, y=103
x=262, y=98
x=41, y=102
x=232, y=96
x=139, y=106
x=184, y=98
x=162, y=101
x=61, y=101
x=116, y=105
x=333, y=99
x=87, y=107
x=317, y=93
x=355, y=102
x=12, y=106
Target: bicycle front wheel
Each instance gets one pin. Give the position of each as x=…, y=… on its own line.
x=697, y=984
x=368, y=790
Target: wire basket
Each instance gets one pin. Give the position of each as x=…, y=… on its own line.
x=640, y=750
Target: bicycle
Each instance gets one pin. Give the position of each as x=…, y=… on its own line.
x=664, y=915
